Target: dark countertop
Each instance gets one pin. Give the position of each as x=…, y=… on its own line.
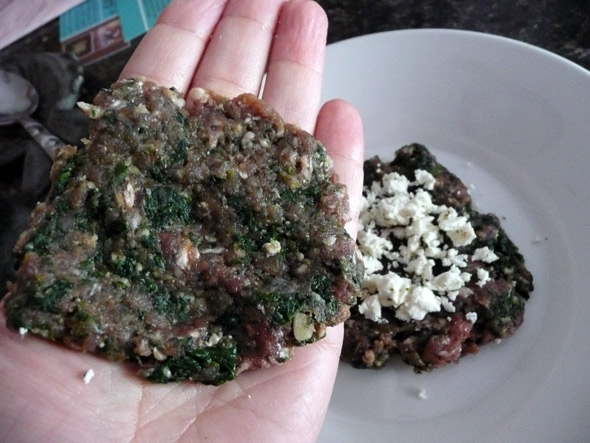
x=560, y=26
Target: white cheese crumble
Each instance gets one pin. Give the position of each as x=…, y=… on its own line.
x=272, y=247
x=420, y=301
x=457, y=227
x=371, y=308
x=88, y=376
x=471, y=316
x=179, y=102
x=484, y=276
x=22, y=331
x=484, y=254
x=425, y=178
x=399, y=210
x=422, y=394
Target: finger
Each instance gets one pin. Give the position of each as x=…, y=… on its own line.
x=170, y=52
x=294, y=80
x=339, y=128
x=236, y=58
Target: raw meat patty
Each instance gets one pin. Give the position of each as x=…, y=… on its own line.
x=441, y=278
x=195, y=240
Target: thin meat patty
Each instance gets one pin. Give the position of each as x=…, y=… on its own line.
x=441, y=278
x=195, y=240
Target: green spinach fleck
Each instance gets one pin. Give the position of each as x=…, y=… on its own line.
x=164, y=206
x=283, y=306
x=64, y=175
x=211, y=365
x=41, y=240
x=175, y=307
x=120, y=172
x=53, y=295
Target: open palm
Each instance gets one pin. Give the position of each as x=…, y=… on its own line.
x=225, y=46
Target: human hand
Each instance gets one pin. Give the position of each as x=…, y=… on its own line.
x=225, y=46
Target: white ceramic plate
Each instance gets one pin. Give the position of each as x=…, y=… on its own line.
x=513, y=121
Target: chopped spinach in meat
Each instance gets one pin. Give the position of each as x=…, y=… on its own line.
x=194, y=241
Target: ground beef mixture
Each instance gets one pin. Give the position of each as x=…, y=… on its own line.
x=439, y=284
x=197, y=240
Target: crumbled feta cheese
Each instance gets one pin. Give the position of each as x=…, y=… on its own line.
x=272, y=247
x=450, y=280
x=372, y=265
x=371, y=308
x=485, y=255
x=484, y=276
x=394, y=183
x=393, y=211
x=423, y=272
x=392, y=289
x=420, y=301
x=421, y=266
x=457, y=227
x=22, y=331
x=452, y=295
x=471, y=316
x=425, y=178
x=447, y=304
x=422, y=394
x=88, y=376
x=454, y=258
x=372, y=244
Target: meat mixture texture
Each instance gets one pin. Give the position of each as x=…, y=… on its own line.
x=441, y=278
x=196, y=240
